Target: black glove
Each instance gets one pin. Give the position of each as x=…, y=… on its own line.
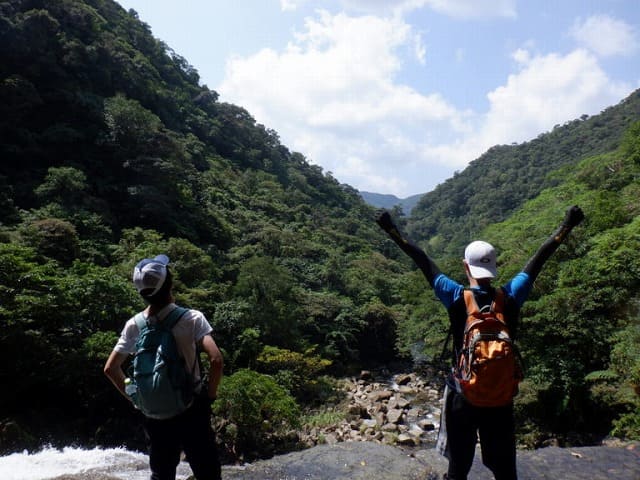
x=573, y=217
x=384, y=220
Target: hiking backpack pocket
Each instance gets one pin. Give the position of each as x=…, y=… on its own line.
x=489, y=368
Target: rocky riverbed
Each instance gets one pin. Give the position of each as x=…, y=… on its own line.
x=403, y=409
x=388, y=433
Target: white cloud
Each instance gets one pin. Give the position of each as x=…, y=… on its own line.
x=473, y=8
x=606, y=36
x=466, y=9
x=420, y=49
x=521, y=56
x=548, y=90
x=290, y=5
x=333, y=94
x=453, y=8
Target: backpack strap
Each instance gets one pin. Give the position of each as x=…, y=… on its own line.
x=141, y=321
x=446, y=344
x=169, y=322
x=470, y=302
x=496, y=309
x=174, y=316
x=497, y=306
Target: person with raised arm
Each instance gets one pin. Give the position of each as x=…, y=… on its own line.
x=488, y=413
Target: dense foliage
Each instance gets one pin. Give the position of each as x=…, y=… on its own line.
x=255, y=414
x=112, y=151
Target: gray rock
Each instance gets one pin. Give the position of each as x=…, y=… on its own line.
x=394, y=416
x=380, y=395
x=373, y=461
x=403, y=379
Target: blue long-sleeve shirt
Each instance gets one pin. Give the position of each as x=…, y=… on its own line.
x=450, y=293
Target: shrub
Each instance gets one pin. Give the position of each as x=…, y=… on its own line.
x=625, y=360
x=627, y=426
x=256, y=415
x=295, y=371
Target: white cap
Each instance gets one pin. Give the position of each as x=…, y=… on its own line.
x=481, y=258
x=150, y=274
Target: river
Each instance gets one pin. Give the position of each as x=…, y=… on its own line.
x=49, y=463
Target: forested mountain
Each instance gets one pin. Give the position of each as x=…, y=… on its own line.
x=496, y=184
x=111, y=150
x=380, y=200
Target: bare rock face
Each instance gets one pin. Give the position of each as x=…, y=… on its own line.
x=375, y=461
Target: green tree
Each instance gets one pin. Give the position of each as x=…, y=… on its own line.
x=130, y=126
x=378, y=337
x=298, y=372
x=331, y=322
x=269, y=288
x=53, y=238
x=63, y=185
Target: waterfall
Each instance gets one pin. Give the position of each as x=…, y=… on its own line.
x=84, y=464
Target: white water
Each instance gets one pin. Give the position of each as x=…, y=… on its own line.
x=50, y=463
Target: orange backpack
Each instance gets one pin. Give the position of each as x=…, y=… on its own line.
x=489, y=367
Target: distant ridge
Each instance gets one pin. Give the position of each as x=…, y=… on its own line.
x=381, y=200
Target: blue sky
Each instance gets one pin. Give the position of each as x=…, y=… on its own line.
x=394, y=96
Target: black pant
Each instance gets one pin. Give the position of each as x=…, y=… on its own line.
x=496, y=428
x=190, y=432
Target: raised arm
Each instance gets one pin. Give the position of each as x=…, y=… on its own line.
x=420, y=258
x=572, y=218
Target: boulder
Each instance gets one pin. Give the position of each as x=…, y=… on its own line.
x=380, y=395
x=406, y=439
x=403, y=379
x=395, y=416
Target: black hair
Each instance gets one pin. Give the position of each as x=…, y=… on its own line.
x=162, y=296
